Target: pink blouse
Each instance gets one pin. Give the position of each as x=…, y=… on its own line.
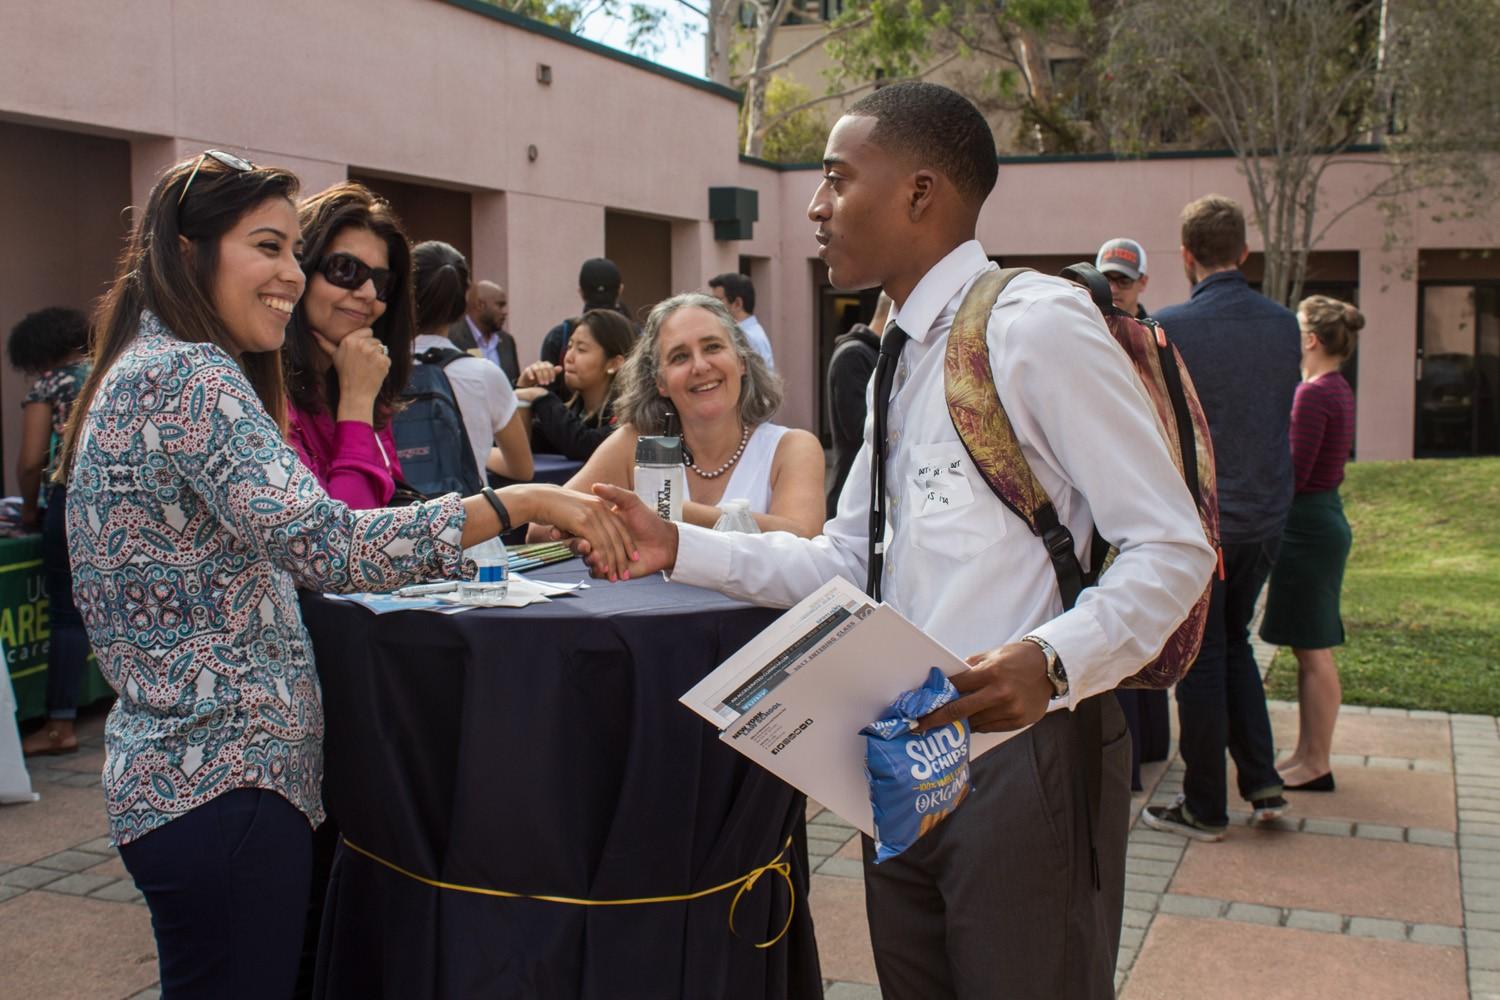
x=352, y=461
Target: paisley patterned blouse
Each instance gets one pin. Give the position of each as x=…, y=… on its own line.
x=190, y=525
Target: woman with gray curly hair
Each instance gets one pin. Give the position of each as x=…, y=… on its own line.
x=692, y=360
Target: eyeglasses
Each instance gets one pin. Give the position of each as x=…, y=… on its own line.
x=1119, y=280
x=228, y=159
x=344, y=270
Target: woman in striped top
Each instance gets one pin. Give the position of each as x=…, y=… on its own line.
x=1302, y=603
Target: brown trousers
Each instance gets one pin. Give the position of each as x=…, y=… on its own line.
x=999, y=901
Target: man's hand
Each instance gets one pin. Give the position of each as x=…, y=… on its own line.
x=1005, y=689
x=656, y=540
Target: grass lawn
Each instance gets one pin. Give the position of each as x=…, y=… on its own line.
x=1422, y=591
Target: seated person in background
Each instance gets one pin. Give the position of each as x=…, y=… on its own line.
x=597, y=350
x=348, y=347
x=51, y=346
x=485, y=397
x=694, y=361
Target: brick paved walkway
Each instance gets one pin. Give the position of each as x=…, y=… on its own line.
x=1389, y=887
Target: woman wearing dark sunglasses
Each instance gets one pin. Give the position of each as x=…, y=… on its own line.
x=191, y=523
x=348, y=348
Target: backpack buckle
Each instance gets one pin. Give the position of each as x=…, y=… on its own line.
x=1059, y=542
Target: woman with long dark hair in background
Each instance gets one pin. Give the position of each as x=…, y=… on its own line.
x=348, y=348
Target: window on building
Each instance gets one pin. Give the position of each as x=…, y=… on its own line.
x=1458, y=369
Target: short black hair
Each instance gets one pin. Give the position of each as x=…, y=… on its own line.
x=46, y=338
x=939, y=126
x=735, y=286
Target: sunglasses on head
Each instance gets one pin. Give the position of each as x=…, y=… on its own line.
x=344, y=270
x=228, y=159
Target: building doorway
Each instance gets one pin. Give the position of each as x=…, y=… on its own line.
x=837, y=311
x=1458, y=369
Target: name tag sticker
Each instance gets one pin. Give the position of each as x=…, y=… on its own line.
x=939, y=484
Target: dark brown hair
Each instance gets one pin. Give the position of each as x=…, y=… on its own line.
x=350, y=205
x=1336, y=324
x=155, y=274
x=442, y=283
x=1213, y=231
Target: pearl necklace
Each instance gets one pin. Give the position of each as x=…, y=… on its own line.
x=744, y=439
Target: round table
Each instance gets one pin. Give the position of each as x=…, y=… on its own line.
x=542, y=751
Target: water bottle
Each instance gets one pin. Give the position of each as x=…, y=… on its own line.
x=736, y=516
x=491, y=581
x=660, y=476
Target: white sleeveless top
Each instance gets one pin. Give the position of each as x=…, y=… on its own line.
x=751, y=478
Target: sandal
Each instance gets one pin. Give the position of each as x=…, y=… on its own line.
x=48, y=742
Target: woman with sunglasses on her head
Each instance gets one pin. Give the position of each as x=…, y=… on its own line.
x=348, y=348
x=601, y=341
x=191, y=523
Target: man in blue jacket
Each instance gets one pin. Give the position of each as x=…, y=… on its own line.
x=1243, y=352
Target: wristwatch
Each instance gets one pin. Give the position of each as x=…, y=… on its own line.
x=1056, y=673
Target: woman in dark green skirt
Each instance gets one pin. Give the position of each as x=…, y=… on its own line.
x=1302, y=603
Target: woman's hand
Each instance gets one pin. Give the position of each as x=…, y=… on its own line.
x=531, y=393
x=542, y=373
x=362, y=363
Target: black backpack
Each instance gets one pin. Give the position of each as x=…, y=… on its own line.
x=431, y=442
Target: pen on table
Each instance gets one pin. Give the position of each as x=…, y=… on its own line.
x=425, y=589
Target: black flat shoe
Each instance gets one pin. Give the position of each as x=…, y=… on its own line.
x=1322, y=783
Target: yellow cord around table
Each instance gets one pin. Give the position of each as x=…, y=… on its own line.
x=741, y=885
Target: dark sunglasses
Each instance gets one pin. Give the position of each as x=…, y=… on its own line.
x=1120, y=280
x=228, y=159
x=344, y=270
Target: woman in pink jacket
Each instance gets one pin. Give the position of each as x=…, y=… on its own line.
x=348, y=347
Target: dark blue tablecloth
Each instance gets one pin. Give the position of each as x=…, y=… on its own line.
x=542, y=750
x=545, y=468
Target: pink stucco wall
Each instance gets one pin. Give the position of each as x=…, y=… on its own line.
x=426, y=92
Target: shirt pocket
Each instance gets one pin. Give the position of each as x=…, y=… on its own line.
x=946, y=506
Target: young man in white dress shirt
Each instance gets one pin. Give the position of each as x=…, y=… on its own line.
x=1001, y=899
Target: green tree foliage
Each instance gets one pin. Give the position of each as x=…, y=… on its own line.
x=798, y=137
x=1291, y=85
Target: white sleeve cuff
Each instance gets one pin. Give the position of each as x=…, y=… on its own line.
x=1084, y=651
x=703, y=557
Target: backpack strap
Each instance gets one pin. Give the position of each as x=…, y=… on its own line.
x=1094, y=281
x=979, y=417
x=440, y=356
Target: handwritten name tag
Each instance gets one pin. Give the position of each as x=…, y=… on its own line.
x=939, y=484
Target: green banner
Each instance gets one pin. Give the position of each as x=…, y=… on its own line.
x=26, y=630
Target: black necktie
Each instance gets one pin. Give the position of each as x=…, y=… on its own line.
x=885, y=377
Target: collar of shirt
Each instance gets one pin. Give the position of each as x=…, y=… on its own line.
x=426, y=341
x=750, y=323
x=1218, y=278
x=937, y=288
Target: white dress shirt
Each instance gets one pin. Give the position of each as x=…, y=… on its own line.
x=968, y=571
x=486, y=400
x=756, y=334
x=489, y=345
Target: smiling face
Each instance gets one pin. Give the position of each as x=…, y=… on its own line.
x=861, y=207
x=258, y=279
x=585, y=366
x=699, y=369
x=337, y=312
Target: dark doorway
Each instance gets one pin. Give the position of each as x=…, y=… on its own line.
x=429, y=213
x=837, y=311
x=641, y=246
x=1458, y=369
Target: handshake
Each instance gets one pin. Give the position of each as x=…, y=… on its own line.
x=616, y=535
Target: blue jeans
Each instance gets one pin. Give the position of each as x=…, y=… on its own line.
x=227, y=887
x=1221, y=702
x=68, y=648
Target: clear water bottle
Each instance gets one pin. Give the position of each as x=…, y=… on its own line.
x=736, y=516
x=491, y=581
x=660, y=475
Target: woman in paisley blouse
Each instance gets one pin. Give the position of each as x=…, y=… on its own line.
x=191, y=524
